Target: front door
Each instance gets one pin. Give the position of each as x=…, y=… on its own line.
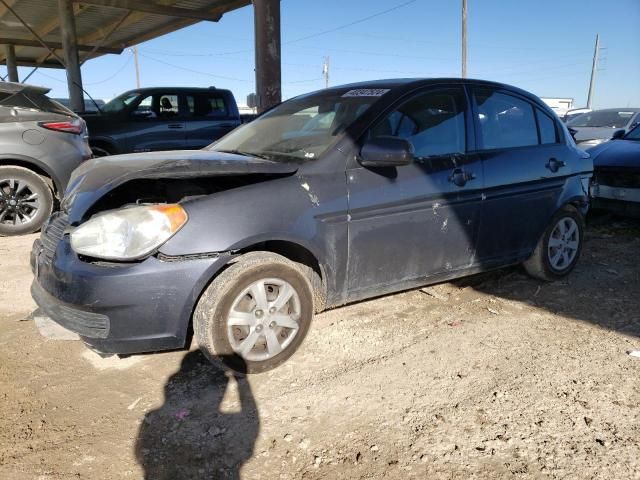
x=415, y=221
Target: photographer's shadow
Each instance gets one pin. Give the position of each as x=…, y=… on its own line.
x=190, y=436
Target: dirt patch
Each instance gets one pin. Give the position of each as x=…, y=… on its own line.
x=498, y=376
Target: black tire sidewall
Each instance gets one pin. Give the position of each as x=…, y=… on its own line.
x=546, y=263
x=46, y=206
x=240, y=279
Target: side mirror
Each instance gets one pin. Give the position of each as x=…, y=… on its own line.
x=142, y=113
x=618, y=134
x=386, y=152
x=573, y=132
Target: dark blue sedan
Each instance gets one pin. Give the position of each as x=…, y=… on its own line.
x=616, y=185
x=332, y=197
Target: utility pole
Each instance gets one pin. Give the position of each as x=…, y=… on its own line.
x=464, y=38
x=325, y=70
x=135, y=60
x=594, y=69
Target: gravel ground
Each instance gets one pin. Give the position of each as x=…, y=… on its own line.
x=497, y=376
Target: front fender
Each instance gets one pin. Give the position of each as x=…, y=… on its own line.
x=310, y=211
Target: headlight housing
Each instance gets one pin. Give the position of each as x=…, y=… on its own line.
x=129, y=233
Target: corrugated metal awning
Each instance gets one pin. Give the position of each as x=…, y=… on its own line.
x=102, y=26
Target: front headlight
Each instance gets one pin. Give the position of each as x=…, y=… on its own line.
x=128, y=233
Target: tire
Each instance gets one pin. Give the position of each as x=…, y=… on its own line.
x=234, y=288
x=26, y=201
x=541, y=264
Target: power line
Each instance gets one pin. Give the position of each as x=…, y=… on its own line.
x=350, y=24
x=117, y=72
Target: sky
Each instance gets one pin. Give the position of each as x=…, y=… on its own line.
x=543, y=46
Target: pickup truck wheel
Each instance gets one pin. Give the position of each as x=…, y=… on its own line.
x=26, y=201
x=256, y=313
x=559, y=248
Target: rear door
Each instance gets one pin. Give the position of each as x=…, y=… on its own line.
x=208, y=117
x=418, y=220
x=525, y=169
x=155, y=123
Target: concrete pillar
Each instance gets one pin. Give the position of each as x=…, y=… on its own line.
x=12, y=68
x=267, y=45
x=71, y=59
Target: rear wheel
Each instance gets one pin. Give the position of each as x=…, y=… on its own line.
x=559, y=248
x=256, y=313
x=26, y=201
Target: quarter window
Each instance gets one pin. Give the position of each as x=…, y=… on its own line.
x=433, y=122
x=505, y=121
x=547, y=126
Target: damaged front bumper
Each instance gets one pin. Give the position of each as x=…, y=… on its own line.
x=620, y=200
x=121, y=307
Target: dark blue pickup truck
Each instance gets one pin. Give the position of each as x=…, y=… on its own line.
x=150, y=119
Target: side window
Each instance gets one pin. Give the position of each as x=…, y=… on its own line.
x=145, y=108
x=547, y=126
x=433, y=122
x=206, y=106
x=168, y=106
x=505, y=121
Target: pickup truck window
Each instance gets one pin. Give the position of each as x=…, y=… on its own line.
x=206, y=106
x=300, y=129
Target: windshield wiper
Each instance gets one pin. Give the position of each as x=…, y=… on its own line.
x=244, y=154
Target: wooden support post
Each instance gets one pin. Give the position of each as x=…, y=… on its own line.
x=268, y=48
x=72, y=61
x=12, y=66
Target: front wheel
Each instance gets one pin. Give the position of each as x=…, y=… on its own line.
x=557, y=252
x=256, y=313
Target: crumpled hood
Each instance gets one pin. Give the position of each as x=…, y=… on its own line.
x=591, y=133
x=616, y=153
x=96, y=177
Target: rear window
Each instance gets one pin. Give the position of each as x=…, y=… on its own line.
x=505, y=121
x=32, y=101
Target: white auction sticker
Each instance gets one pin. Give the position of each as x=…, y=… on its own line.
x=366, y=92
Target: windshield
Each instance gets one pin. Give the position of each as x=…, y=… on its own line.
x=120, y=102
x=602, y=118
x=299, y=129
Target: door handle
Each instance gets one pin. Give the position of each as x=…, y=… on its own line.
x=554, y=164
x=460, y=177
x=175, y=125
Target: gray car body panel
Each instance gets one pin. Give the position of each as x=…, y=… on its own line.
x=24, y=142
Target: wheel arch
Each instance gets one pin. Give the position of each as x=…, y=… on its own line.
x=37, y=167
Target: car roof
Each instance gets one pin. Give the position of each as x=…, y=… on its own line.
x=177, y=90
x=14, y=87
x=621, y=109
x=420, y=82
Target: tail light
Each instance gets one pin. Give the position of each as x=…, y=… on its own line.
x=72, y=126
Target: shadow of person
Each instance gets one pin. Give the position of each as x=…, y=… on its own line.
x=206, y=428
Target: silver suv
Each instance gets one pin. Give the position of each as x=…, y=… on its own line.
x=41, y=143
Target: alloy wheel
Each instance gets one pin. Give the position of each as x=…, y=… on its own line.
x=19, y=202
x=264, y=319
x=563, y=243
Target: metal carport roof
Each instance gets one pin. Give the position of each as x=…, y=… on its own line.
x=102, y=26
